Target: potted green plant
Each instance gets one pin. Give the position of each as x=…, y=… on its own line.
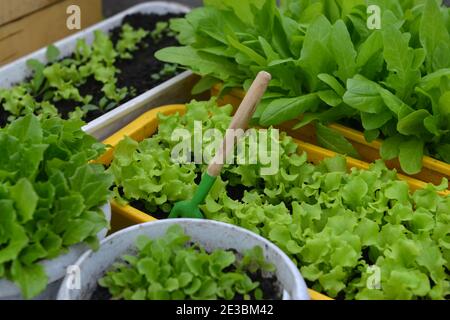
x=103, y=75
x=389, y=83
x=53, y=201
x=185, y=259
x=339, y=226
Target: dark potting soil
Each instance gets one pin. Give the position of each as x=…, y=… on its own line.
x=3, y=117
x=236, y=192
x=158, y=214
x=135, y=74
x=91, y=87
x=101, y=293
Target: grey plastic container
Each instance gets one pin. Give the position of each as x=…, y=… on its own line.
x=175, y=90
x=208, y=233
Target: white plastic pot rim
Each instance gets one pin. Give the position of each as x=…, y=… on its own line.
x=208, y=233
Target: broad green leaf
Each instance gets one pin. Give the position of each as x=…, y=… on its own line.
x=15, y=245
x=397, y=106
x=204, y=84
x=390, y=148
x=200, y=62
x=374, y=121
x=401, y=61
x=411, y=155
x=398, y=190
x=367, y=230
x=333, y=140
x=434, y=37
x=444, y=104
x=26, y=129
x=343, y=51
x=77, y=231
x=413, y=124
x=370, y=49
x=355, y=191
x=332, y=282
x=362, y=94
x=52, y=53
x=316, y=57
x=444, y=152
x=248, y=52
x=330, y=98
x=371, y=135
x=281, y=110
x=31, y=279
x=333, y=83
x=25, y=199
x=269, y=52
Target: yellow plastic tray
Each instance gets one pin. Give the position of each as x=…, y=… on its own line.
x=146, y=125
x=432, y=171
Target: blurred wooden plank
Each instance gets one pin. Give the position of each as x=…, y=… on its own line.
x=13, y=9
x=43, y=27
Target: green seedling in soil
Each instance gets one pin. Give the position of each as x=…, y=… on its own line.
x=171, y=268
x=337, y=226
x=61, y=79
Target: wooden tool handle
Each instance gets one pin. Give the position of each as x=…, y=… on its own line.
x=240, y=121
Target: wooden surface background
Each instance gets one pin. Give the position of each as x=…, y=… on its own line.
x=40, y=27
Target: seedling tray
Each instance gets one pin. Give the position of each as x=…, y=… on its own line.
x=175, y=90
x=147, y=124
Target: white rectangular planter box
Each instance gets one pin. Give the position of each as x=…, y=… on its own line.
x=175, y=90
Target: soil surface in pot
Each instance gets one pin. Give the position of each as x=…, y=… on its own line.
x=135, y=74
x=269, y=286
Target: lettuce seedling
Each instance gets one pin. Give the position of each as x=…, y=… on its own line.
x=172, y=268
x=162, y=29
x=50, y=196
x=145, y=171
x=129, y=40
x=62, y=78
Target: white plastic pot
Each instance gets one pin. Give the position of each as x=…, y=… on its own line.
x=175, y=90
x=210, y=234
x=55, y=269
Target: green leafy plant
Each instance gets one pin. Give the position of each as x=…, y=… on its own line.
x=129, y=41
x=337, y=226
x=50, y=196
x=171, y=268
x=328, y=66
x=144, y=171
x=167, y=70
x=161, y=29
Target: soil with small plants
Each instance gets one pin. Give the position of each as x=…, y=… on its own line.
x=135, y=74
x=234, y=192
x=269, y=285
